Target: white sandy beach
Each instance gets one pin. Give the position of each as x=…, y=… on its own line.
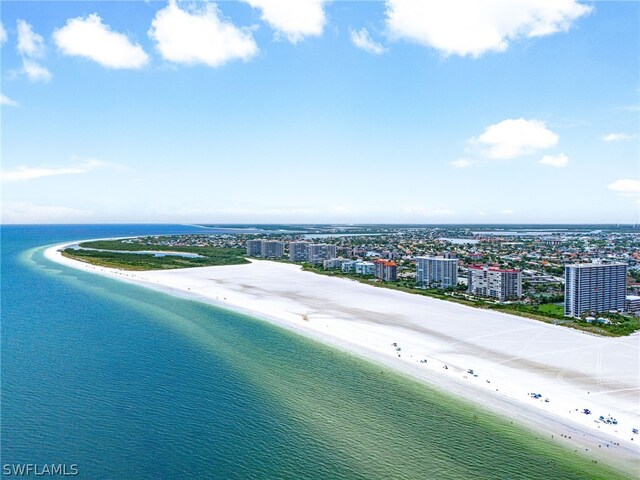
x=511, y=356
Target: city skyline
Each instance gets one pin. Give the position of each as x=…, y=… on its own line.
x=239, y=112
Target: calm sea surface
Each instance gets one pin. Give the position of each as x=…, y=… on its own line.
x=133, y=384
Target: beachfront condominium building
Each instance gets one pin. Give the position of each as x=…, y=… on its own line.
x=318, y=252
x=334, y=263
x=386, y=270
x=495, y=282
x=254, y=248
x=272, y=249
x=365, y=268
x=441, y=272
x=299, y=251
x=349, y=266
x=632, y=304
x=594, y=287
x=265, y=248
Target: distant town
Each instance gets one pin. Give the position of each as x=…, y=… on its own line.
x=592, y=275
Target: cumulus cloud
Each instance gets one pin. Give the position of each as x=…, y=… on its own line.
x=474, y=27
x=35, y=72
x=626, y=187
x=29, y=42
x=199, y=36
x=295, y=20
x=462, y=163
x=616, y=137
x=507, y=212
x=512, y=138
x=363, y=40
x=22, y=173
x=3, y=34
x=560, y=160
x=90, y=38
x=4, y=100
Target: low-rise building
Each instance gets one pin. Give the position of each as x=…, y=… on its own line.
x=349, y=266
x=365, y=268
x=633, y=304
x=334, y=263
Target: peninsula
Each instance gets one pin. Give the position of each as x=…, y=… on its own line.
x=579, y=389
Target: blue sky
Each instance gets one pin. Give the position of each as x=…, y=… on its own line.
x=271, y=111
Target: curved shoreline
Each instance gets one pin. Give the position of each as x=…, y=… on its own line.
x=371, y=340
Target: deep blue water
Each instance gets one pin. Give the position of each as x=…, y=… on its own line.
x=130, y=383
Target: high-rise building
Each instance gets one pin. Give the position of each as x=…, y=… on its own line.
x=321, y=251
x=272, y=249
x=495, y=282
x=299, y=251
x=439, y=272
x=379, y=266
x=386, y=270
x=594, y=287
x=390, y=272
x=254, y=248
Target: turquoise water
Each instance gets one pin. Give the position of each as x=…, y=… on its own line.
x=130, y=383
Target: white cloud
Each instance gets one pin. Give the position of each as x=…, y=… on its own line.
x=295, y=20
x=363, y=40
x=4, y=100
x=34, y=71
x=474, y=27
x=90, y=38
x=625, y=186
x=25, y=212
x=198, y=35
x=616, y=137
x=507, y=212
x=560, y=160
x=462, y=163
x=31, y=45
x=512, y=138
x=3, y=34
x=22, y=174
x=29, y=42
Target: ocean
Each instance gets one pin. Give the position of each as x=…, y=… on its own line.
x=128, y=383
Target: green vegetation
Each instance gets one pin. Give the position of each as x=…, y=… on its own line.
x=551, y=309
x=115, y=254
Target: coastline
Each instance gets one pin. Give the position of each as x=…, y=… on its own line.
x=516, y=355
